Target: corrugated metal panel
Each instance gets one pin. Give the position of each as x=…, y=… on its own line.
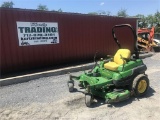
x=80, y=37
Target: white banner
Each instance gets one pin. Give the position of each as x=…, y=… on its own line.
x=37, y=33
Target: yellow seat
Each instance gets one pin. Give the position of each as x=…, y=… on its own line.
x=117, y=61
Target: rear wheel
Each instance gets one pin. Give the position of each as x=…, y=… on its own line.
x=140, y=85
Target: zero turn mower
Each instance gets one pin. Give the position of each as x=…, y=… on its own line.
x=117, y=78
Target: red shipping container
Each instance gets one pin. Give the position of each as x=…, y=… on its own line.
x=80, y=36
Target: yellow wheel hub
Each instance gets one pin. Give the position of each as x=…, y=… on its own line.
x=142, y=86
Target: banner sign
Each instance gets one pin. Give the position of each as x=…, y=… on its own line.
x=37, y=33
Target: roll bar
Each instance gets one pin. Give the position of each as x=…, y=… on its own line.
x=134, y=34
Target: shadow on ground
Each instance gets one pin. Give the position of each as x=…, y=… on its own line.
x=150, y=92
x=99, y=101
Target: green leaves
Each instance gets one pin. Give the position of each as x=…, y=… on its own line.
x=7, y=4
x=149, y=21
x=42, y=7
x=122, y=13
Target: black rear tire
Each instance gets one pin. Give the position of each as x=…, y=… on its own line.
x=140, y=85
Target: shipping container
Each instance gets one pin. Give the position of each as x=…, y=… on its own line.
x=79, y=36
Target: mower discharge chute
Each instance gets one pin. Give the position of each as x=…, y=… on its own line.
x=116, y=78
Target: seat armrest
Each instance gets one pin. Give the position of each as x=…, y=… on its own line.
x=126, y=59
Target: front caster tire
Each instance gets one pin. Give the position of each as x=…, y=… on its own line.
x=70, y=86
x=107, y=101
x=80, y=84
x=88, y=99
x=140, y=85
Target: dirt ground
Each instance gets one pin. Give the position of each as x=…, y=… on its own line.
x=72, y=106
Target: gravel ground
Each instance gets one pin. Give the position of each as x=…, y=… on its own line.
x=48, y=99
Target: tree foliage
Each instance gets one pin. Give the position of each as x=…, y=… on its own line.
x=122, y=13
x=141, y=23
x=100, y=12
x=108, y=13
x=150, y=21
x=42, y=7
x=7, y=4
x=93, y=13
x=60, y=10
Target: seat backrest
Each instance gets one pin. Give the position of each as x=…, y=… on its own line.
x=125, y=53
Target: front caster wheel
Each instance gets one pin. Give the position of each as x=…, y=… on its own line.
x=70, y=86
x=107, y=101
x=88, y=99
x=80, y=84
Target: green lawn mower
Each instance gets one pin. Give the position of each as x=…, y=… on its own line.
x=116, y=78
